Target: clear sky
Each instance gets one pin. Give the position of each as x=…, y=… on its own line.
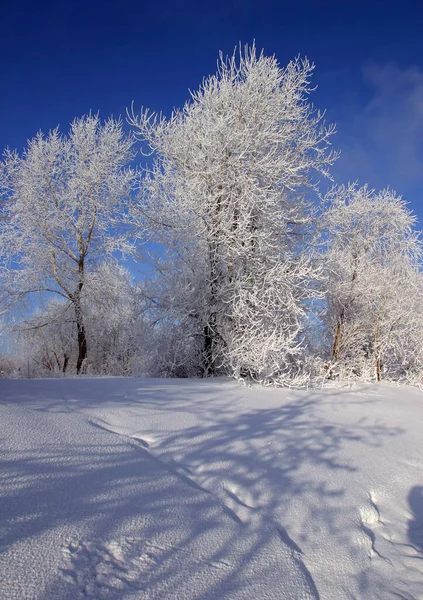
x=59, y=60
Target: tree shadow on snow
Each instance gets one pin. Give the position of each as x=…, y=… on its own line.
x=415, y=525
x=200, y=513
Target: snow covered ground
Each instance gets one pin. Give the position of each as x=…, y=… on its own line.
x=176, y=489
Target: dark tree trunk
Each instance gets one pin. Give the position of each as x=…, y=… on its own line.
x=209, y=366
x=210, y=332
x=337, y=340
x=336, y=343
x=378, y=369
x=377, y=352
x=340, y=324
x=82, y=339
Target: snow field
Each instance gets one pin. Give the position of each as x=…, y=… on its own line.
x=201, y=489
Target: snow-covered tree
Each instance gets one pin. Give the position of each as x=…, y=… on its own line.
x=371, y=256
x=46, y=342
x=118, y=333
x=63, y=203
x=226, y=199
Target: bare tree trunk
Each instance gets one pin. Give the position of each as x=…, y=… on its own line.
x=339, y=326
x=337, y=340
x=208, y=359
x=378, y=368
x=210, y=333
x=336, y=343
x=82, y=339
x=377, y=352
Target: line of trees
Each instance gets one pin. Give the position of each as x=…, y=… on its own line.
x=248, y=274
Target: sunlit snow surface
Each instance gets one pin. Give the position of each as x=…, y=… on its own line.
x=177, y=489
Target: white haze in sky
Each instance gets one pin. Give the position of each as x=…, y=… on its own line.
x=383, y=143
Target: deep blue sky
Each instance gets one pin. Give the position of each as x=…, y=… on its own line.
x=61, y=59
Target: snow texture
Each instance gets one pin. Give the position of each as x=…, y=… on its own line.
x=148, y=489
